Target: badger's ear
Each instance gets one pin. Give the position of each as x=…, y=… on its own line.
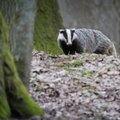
x=61, y=30
x=73, y=30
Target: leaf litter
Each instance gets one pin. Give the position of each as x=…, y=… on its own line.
x=76, y=87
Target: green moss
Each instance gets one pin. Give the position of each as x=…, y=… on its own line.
x=13, y=94
x=77, y=63
x=3, y=29
x=20, y=69
x=87, y=73
x=71, y=65
x=70, y=69
x=4, y=106
x=48, y=21
x=76, y=78
x=20, y=101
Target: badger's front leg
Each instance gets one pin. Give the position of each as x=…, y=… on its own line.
x=72, y=50
x=66, y=51
x=64, y=47
x=77, y=46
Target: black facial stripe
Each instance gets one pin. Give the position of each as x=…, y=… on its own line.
x=65, y=35
x=72, y=32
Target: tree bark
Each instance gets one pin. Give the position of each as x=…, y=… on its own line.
x=20, y=15
x=48, y=22
x=14, y=98
x=4, y=106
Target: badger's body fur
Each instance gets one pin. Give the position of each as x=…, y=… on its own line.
x=85, y=40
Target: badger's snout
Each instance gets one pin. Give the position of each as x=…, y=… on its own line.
x=69, y=43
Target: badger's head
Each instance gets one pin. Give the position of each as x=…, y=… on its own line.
x=67, y=35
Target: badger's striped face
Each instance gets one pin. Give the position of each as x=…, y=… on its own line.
x=67, y=35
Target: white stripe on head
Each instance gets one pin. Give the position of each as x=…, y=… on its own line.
x=68, y=31
x=61, y=36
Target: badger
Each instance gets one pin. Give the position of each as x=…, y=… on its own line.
x=73, y=41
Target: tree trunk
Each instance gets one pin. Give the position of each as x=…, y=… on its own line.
x=20, y=15
x=4, y=106
x=48, y=22
x=14, y=97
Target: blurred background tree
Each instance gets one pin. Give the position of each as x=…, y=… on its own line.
x=47, y=24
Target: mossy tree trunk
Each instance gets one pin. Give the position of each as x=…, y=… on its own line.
x=14, y=98
x=47, y=24
x=20, y=16
x=4, y=106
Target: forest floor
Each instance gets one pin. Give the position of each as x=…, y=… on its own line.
x=76, y=87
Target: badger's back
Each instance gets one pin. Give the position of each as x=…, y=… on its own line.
x=95, y=41
x=87, y=39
